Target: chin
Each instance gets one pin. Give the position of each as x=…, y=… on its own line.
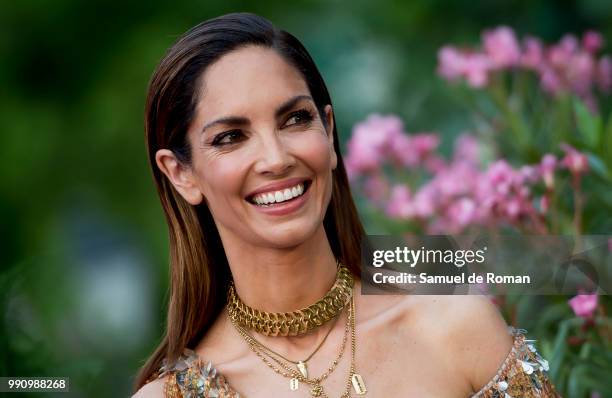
x=290, y=237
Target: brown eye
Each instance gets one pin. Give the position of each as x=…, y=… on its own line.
x=227, y=138
x=300, y=117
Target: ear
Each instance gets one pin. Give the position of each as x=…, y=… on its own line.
x=329, y=116
x=180, y=175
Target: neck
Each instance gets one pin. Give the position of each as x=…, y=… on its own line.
x=283, y=280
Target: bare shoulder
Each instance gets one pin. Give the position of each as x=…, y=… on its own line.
x=153, y=389
x=471, y=331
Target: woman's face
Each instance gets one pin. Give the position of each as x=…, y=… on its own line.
x=256, y=125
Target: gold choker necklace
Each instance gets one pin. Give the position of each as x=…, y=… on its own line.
x=296, y=322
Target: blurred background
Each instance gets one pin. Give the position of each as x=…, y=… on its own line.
x=84, y=251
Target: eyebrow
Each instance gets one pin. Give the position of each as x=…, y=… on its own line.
x=241, y=120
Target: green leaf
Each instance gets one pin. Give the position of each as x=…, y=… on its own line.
x=589, y=124
x=598, y=166
x=606, y=147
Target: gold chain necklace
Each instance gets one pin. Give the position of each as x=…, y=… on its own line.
x=301, y=365
x=317, y=391
x=296, y=322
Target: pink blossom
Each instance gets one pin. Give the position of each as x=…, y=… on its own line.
x=425, y=143
x=467, y=149
x=424, y=201
x=530, y=174
x=454, y=64
x=434, y=164
x=547, y=167
x=402, y=150
x=501, y=176
x=476, y=70
x=461, y=213
x=592, y=41
x=576, y=162
x=534, y=54
x=501, y=46
x=412, y=150
x=369, y=142
x=399, y=205
x=604, y=74
x=550, y=80
x=450, y=63
x=584, y=305
x=580, y=72
x=376, y=188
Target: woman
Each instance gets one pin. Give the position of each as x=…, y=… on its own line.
x=244, y=150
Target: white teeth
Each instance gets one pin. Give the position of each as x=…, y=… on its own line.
x=279, y=196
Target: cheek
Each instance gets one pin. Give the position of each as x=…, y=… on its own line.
x=314, y=151
x=222, y=176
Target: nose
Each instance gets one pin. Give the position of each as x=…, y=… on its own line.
x=274, y=156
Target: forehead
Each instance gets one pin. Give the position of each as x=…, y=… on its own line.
x=247, y=80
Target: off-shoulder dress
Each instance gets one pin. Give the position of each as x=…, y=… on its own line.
x=523, y=374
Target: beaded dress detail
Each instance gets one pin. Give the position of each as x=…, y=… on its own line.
x=523, y=374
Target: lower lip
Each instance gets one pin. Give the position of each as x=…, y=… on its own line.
x=286, y=207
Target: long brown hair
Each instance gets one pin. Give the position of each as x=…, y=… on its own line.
x=199, y=273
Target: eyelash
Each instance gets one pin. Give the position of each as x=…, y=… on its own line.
x=306, y=116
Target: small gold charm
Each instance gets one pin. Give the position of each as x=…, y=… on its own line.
x=294, y=384
x=302, y=368
x=358, y=384
x=316, y=391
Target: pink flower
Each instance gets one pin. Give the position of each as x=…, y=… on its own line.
x=580, y=72
x=369, y=143
x=592, y=41
x=454, y=64
x=501, y=176
x=467, y=149
x=547, y=167
x=476, y=70
x=534, y=53
x=576, y=162
x=376, y=188
x=461, y=213
x=399, y=205
x=604, y=74
x=550, y=80
x=450, y=63
x=584, y=305
x=412, y=150
x=425, y=143
x=501, y=46
x=530, y=174
x=424, y=201
x=560, y=53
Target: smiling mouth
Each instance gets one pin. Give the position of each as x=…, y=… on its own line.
x=251, y=199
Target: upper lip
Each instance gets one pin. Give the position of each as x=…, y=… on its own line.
x=277, y=186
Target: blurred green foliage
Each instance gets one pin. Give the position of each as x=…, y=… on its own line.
x=83, y=262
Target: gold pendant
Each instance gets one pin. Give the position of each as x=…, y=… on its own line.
x=294, y=384
x=317, y=391
x=358, y=384
x=301, y=365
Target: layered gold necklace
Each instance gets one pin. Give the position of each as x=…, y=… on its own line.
x=298, y=322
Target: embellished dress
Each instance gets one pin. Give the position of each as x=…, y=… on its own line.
x=523, y=374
